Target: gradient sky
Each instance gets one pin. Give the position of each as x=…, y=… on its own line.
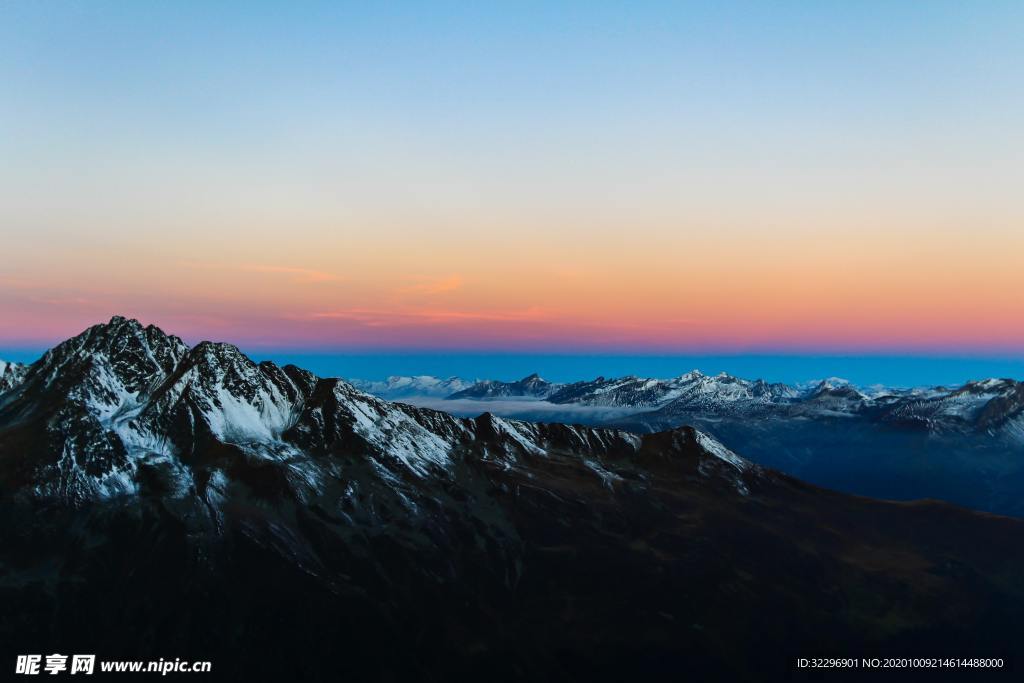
x=798, y=177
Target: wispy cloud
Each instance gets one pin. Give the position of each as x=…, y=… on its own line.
x=383, y=318
x=39, y=293
x=525, y=408
x=436, y=286
x=69, y=301
x=303, y=275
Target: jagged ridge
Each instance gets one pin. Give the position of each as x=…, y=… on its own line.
x=105, y=409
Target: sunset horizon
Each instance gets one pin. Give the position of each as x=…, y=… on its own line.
x=714, y=180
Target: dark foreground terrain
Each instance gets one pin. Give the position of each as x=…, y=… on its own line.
x=165, y=501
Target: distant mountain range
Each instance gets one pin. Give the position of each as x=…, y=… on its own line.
x=532, y=386
x=961, y=444
x=395, y=387
x=163, y=500
x=992, y=406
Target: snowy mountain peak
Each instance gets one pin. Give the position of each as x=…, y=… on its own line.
x=532, y=386
x=100, y=374
x=826, y=383
x=11, y=375
x=988, y=386
x=836, y=388
x=231, y=397
x=687, y=391
x=399, y=386
x=119, y=355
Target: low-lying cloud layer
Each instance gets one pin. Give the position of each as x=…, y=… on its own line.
x=524, y=408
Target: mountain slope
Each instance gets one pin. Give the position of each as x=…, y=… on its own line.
x=278, y=524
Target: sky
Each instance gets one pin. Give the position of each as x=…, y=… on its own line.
x=785, y=179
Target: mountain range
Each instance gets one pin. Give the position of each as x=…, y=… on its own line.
x=398, y=386
x=992, y=406
x=532, y=386
x=961, y=444
x=166, y=500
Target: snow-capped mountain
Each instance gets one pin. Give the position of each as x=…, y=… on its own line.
x=828, y=398
x=990, y=406
x=690, y=393
x=692, y=390
x=622, y=391
x=725, y=393
x=11, y=375
x=531, y=386
x=108, y=408
x=993, y=406
x=120, y=396
x=398, y=386
x=158, y=498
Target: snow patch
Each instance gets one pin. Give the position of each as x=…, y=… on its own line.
x=716, y=449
